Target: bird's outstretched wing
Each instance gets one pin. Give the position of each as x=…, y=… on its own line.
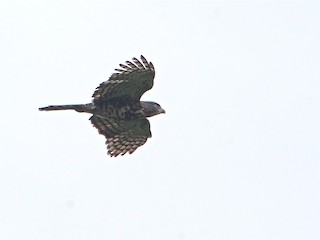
x=132, y=80
x=122, y=136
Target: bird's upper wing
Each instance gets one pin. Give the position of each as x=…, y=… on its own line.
x=122, y=136
x=132, y=80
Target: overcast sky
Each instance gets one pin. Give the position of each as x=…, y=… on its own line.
x=236, y=156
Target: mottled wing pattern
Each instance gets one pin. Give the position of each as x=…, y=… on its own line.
x=122, y=136
x=132, y=80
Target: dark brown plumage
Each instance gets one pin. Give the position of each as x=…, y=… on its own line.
x=116, y=109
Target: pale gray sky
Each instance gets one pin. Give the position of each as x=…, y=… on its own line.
x=236, y=157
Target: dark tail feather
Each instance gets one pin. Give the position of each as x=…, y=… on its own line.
x=77, y=107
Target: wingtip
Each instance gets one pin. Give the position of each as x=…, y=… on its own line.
x=143, y=58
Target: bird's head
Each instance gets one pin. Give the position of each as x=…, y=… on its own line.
x=151, y=108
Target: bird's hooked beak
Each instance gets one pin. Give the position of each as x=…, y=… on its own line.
x=162, y=110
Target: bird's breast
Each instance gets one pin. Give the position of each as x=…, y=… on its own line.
x=120, y=112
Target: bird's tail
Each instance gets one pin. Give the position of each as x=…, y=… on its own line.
x=77, y=107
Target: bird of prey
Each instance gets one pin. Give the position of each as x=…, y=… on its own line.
x=116, y=109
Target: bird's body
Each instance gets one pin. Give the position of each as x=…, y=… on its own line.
x=116, y=109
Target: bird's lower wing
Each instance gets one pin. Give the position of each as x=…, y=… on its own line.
x=122, y=136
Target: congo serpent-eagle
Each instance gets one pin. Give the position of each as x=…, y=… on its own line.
x=116, y=109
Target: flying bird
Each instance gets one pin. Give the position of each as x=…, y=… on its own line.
x=116, y=109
